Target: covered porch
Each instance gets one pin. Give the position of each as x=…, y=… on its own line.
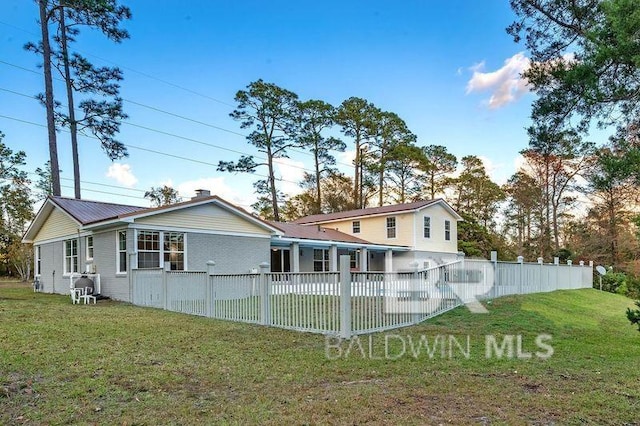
x=311, y=248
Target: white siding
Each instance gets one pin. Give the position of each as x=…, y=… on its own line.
x=207, y=217
x=57, y=225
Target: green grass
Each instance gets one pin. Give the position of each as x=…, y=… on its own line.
x=114, y=363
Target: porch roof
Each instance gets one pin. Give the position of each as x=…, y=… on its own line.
x=318, y=235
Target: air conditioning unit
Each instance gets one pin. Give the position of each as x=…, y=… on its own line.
x=85, y=282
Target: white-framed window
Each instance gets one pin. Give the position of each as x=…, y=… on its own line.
x=121, y=252
x=354, y=259
x=70, y=256
x=391, y=227
x=38, y=256
x=320, y=260
x=148, y=249
x=426, y=225
x=447, y=230
x=89, y=247
x=174, y=250
x=356, y=226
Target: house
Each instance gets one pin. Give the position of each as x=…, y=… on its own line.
x=73, y=236
x=427, y=228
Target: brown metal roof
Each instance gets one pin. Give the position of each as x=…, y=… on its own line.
x=306, y=232
x=396, y=208
x=87, y=212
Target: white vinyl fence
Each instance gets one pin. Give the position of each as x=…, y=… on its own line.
x=346, y=303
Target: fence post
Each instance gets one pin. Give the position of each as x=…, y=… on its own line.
x=541, y=263
x=556, y=262
x=521, y=273
x=569, y=263
x=494, y=262
x=265, y=294
x=413, y=290
x=165, y=293
x=211, y=266
x=133, y=285
x=345, y=297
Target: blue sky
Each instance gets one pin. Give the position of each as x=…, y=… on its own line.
x=447, y=68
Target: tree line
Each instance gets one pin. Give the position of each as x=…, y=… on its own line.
x=572, y=197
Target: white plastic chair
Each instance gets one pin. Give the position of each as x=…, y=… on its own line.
x=76, y=295
x=87, y=297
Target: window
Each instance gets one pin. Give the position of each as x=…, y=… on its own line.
x=174, y=250
x=356, y=226
x=148, y=249
x=121, y=259
x=89, y=244
x=38, y=270
x=447, y=230
x=280, y=260
x=320, y=260
x=427, y=226
x=354, y=261
x=391, y=227
x=70, y=256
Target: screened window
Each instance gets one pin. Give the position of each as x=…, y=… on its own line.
x=391, y=227
x=89, y=244
x=38, y=261
x=70, y=256
x=356, y=226
x=148, y=249
x=121, y=258
x=320, y=260
x=427, y=227
x=174, y=250
x=447, y=230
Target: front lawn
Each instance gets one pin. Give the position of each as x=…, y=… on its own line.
x=114, y=363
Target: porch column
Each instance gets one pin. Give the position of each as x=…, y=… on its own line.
x=295, y=257
x=333, y=258
x=364, y=257
x=388, y=261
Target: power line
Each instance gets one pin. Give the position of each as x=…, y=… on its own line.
x=96, y=183
x=177, y=86
x=182, y=117
x=162, y=132
x=147, y=149
x=105, y=192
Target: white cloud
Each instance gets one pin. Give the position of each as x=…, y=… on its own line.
x=218, y=186
x=292, y=172
x=122, y=174
x=506, y=83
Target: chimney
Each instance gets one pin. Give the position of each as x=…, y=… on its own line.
x=201, y=193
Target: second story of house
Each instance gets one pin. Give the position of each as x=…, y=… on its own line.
x=422, y=225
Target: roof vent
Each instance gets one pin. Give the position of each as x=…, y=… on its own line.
x=202, y=193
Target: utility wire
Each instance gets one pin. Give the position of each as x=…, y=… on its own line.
x=162, y=132
x=182, y=117
x=147, y=149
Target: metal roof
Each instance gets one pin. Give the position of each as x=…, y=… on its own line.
x=86, y=212
x=306, y=232
x=395, y=208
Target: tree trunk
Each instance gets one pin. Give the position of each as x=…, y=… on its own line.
x=49, y=105
x=73, y=125
x=318, y=189
x=433, y=185
x=272, y=187
x=381, y=176
x=356, y=178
